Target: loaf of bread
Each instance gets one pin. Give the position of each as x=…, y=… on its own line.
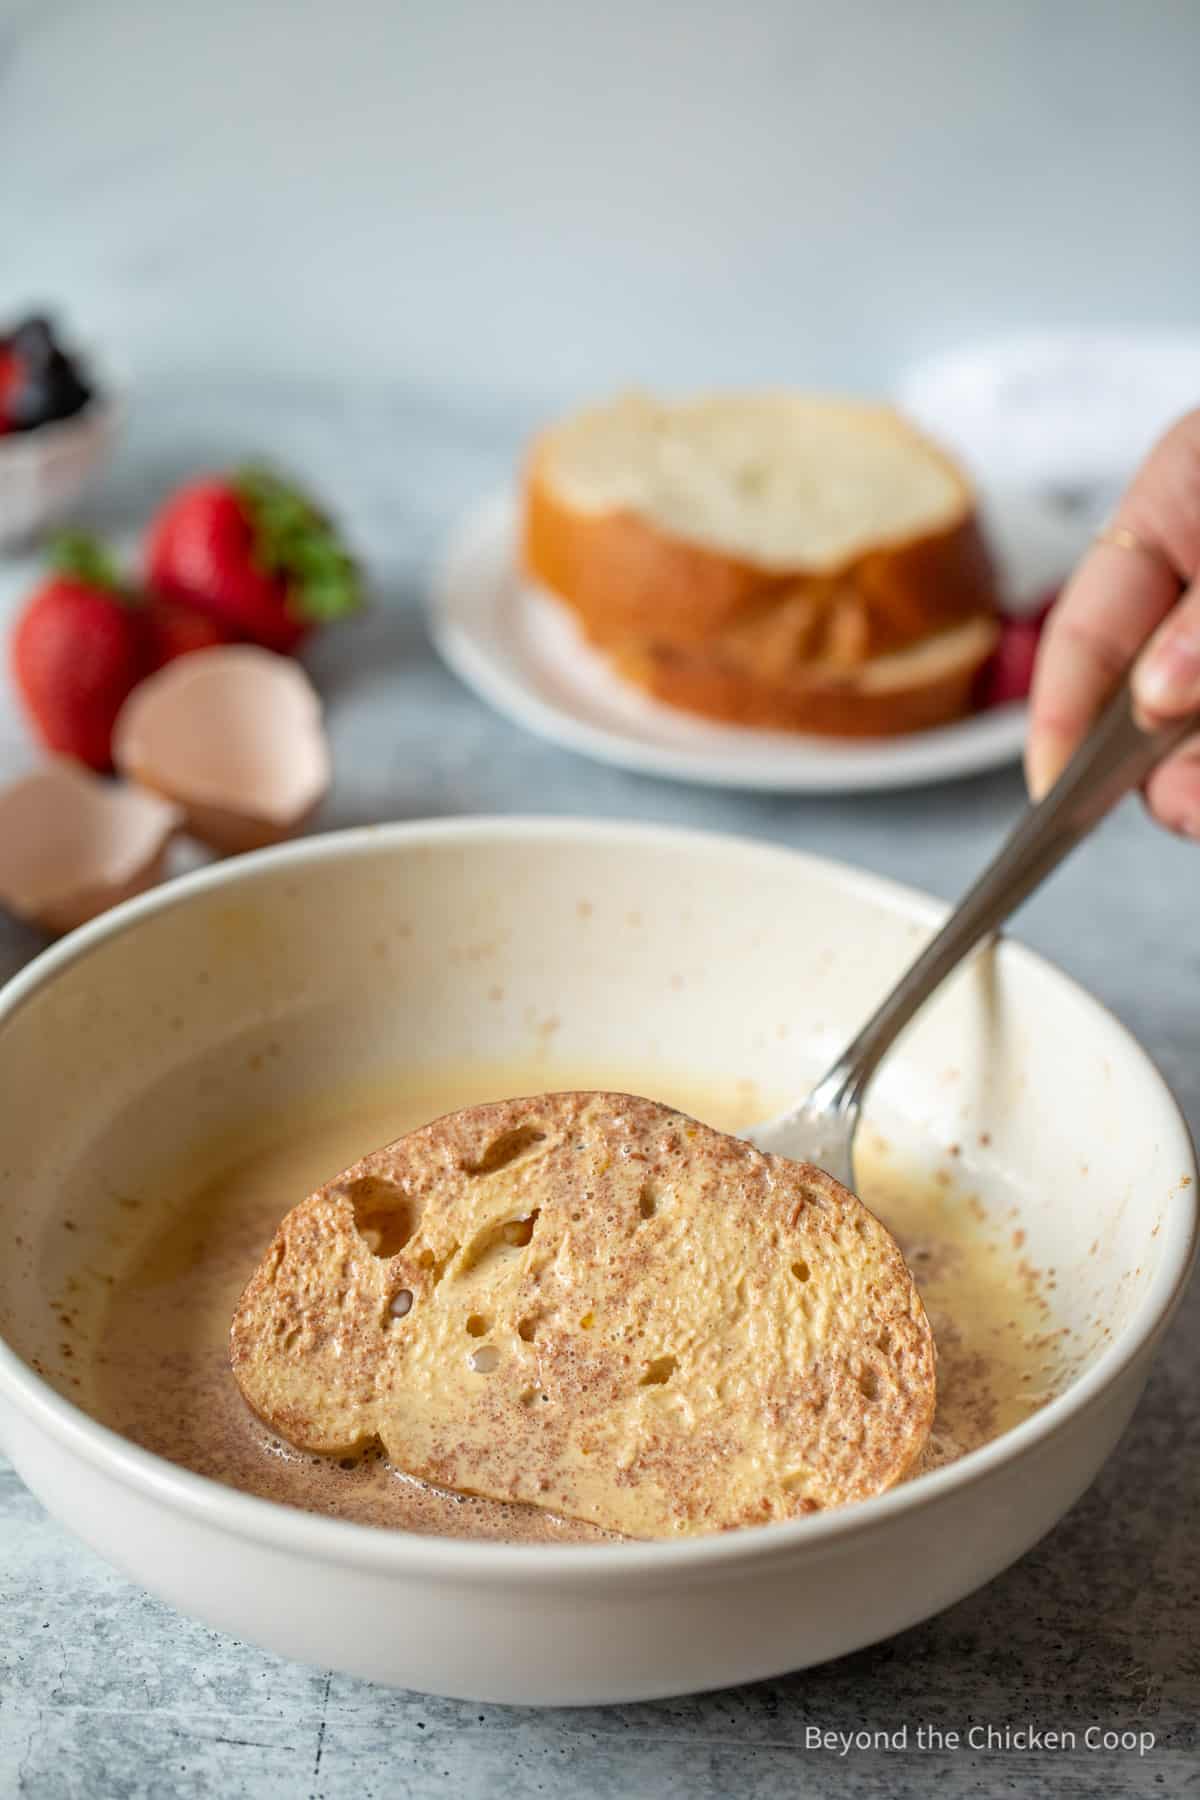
x=595, y=1305
x=754, y=556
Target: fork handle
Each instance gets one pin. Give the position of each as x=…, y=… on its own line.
x=1115, y=757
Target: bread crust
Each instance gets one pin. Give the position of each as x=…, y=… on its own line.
x=849, y=703
x=627, y=581
x=651, y=600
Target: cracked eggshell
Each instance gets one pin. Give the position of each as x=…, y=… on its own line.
x=234, y=737
x=73, y=844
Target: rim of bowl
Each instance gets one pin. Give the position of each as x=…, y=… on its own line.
x=340, y=1541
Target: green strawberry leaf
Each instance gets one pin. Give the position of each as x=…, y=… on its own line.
x=295, y=541
x=84, y=558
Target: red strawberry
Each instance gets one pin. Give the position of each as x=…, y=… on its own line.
x=10, y=374
x=254, y=553
x=1008, y=673
x=77, y=651
x=173, y=629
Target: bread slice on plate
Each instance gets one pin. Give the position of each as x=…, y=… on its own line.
x=925, y=684
x=794, y=540
x=595, y=1305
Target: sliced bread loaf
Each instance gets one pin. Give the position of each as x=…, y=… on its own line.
x=787, y=536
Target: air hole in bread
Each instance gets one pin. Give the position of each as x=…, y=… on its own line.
x=485, y=1359
x=801, y=1270
x=518, y=1232
x=526, y=1328
x=648, y=1200
x=495, y=1239
x=477, y=1325
x=658, y=1372
x=436, y=1265
x=384, y=1216
x=400, y=1304
x=868, y=1385
x=504, y=1150
x=587, y=1321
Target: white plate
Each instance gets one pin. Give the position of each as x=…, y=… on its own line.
x=520, y=650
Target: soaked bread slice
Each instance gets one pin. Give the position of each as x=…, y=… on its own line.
x=593, y=1304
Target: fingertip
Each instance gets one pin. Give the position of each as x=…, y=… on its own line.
x=1166, y=677
x=1044, y=759
x=1151, y=683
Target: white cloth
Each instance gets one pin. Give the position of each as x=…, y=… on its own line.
x=1068, y=415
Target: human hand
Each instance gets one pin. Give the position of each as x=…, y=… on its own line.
x=1135, y=595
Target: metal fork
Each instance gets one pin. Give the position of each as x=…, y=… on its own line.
x=1116, y=756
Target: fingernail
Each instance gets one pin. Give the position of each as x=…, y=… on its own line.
x=1041, y=768
x=1169, y=679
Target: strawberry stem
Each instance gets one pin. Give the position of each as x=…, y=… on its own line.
x=298, y=543
x=84, y=558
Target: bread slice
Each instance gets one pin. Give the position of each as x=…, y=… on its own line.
x=669, y=522
x=592, y=1304
x=926, y=684
x=785, y=535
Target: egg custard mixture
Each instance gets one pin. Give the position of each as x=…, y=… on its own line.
x=163, y=1369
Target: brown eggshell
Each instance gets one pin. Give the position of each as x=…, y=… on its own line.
x=73, y=844
x=234, y=737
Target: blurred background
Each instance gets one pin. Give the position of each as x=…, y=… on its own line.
x=380, y=243
x=523, y=202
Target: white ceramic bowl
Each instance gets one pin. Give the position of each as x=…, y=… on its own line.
x=124, y=1049
x=44, y=472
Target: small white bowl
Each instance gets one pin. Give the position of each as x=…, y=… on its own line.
x=43, y=472
x=124, y=1051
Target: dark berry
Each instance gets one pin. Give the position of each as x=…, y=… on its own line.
x=37, y=396
x=33, y=341
x=43, y=382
